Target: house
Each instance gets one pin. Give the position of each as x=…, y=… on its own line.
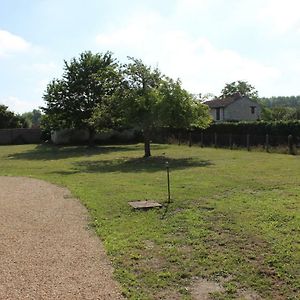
x=234, y=108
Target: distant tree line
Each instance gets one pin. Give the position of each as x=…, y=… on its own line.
x=9, y=119
x=281, y=108
x=281, y=101
x=33, y=118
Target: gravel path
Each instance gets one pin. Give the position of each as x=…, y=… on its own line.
x=46, y=248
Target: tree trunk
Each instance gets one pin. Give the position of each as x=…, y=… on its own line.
x=147, y=143
x=91, y=137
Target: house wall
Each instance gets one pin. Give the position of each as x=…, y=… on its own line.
x=213, y=113
x=240, y=110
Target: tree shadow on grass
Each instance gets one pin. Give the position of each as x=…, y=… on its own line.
x=53, y=152
x=131, y=165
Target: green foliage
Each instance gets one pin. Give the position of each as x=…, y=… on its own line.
x=281, y=108
x=281, y=101
x=96, y=93
x=239, y=87
x=8, y=119
x=141, y=94
x=279, y=128
x=151, y=100
x=86, y=84
x=278, y=113
x=33, y=118
x=234, y=216
x=177, y=108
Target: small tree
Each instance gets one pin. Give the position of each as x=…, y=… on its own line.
x=239, y=87
x=86, y=82
x=151, y=100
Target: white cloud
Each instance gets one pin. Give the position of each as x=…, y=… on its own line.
x=10, y=43
x=41, y=86
x=18, y=105
x=50, y=67
x=200, y=65
x=281, y=16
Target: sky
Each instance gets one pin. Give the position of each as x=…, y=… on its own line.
x=205, y=43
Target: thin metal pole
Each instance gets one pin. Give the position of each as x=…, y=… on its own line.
x=168, y=178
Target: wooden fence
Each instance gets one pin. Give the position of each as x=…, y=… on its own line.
x=230, y=141
x=20, y=136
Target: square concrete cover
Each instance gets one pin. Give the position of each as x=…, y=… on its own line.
x=144, y=204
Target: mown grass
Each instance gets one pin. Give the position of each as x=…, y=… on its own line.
x=234, y=216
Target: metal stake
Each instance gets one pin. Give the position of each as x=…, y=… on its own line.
x=168, y=178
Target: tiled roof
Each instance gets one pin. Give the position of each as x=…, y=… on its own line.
x=222, y=102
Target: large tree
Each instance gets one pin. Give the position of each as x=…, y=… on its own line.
x=87, y=82
x=239, y=87
x=152, y=100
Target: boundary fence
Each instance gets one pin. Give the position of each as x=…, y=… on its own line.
x=289, y=143
x=20, y=136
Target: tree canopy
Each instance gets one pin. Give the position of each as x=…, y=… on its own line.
x=281, y=101
x=86, y=83
x=96, y=92
x=8, y=119
x=239, y=87
x=152, y=100
x=33, y=118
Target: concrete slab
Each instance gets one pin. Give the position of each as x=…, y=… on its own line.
x=144, y=204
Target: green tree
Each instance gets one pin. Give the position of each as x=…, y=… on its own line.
x=8, y=119
x=87, y=83
x=239, y=87
x=151, y=100
x=281, y=114
x=33, y=118
x=281, y=101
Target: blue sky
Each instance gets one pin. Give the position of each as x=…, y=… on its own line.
x=205, y=43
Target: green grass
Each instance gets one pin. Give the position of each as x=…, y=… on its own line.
x=234, y=218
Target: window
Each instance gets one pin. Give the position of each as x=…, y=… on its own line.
x=252, y=110
x=218, y=113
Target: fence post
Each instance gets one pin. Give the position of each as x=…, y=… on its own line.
x=230, y=141
x=248, y=142
x=267, y=143
x=216, y=140
x=201, y=140
x=190, y=139
x=290, y=144
x=179, y=138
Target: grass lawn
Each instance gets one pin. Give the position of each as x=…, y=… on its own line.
x=234, y=218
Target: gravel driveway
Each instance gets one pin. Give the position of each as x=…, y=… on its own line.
x=46, y=248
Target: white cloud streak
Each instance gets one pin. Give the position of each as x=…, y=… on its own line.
x=200, y=65
x=10, y=43
x=18, y=105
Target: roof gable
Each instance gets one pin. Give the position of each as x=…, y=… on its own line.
x=223, y=102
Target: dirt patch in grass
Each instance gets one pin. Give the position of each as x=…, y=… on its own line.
x=202, y=289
